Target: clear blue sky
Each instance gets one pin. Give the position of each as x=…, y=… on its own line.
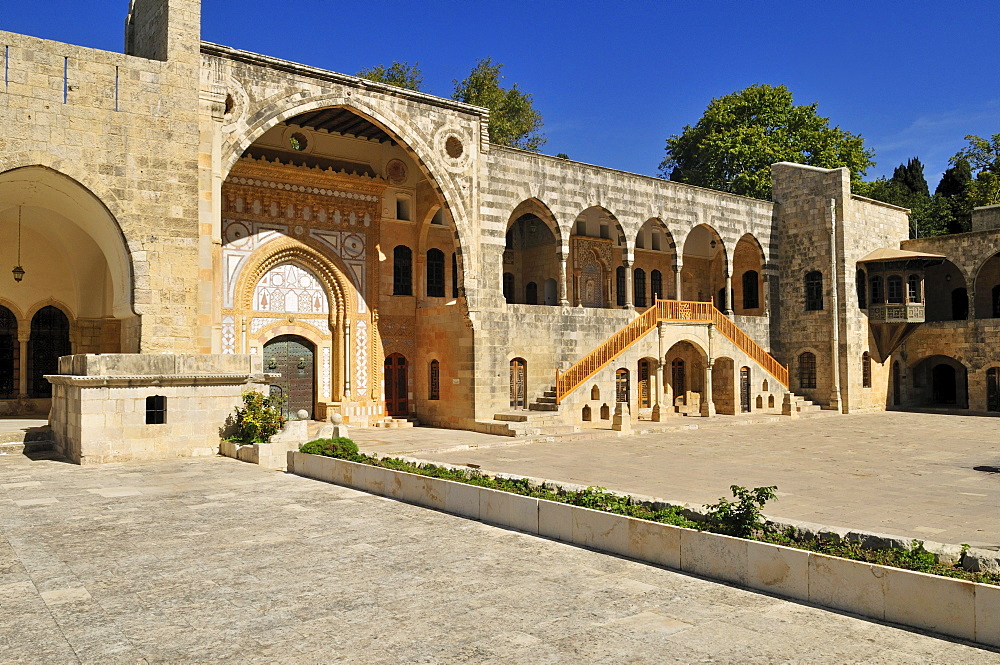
x=614, y=79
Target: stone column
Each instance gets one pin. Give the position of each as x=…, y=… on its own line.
x=420, y=278
x=628, y=285
x=22, y=364
x=835, y=401
x=563, y=297
x=347, y=357
x=577, y=300
x=766, y=295
x=677, y=282
x=729, y=295
x=707, y=405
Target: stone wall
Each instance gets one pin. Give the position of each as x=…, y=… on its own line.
x=126, y=129
x=99, y=404
x=986, y=217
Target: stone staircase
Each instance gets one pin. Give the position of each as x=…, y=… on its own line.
x=397, y=421
x=808, y=409
x=26, y=441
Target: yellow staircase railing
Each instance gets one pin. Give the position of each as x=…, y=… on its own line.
x=677, y=311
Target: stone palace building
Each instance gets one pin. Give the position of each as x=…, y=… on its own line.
x=186, y=220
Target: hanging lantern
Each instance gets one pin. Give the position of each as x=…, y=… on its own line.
x=18, y=271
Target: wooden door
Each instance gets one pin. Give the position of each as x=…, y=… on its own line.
x=993, y=389
x=518, y=383
x=745, y=390
x=644, y=392
x=292, y=357
x=396, y=383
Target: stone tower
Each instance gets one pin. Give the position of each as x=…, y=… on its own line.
x=164, y=30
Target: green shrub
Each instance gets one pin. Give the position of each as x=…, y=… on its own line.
x=741, y=518
x=340, y=446
x=259, y=419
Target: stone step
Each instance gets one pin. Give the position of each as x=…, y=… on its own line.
x=397, y=422
x=533, y=417
x=26, y=447
x=546, y=400
x=535, y=406
x=549, y=393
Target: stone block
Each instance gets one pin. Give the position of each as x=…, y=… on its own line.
x=783, y=571
x=601, y=531
x=555, y=520
x=939, y=604
x=462, y=499
x=987, y=603
x=509, y=510
x=655, y=543
x=851, y=586
x=714, y=556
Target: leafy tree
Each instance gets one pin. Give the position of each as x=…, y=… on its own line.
x=953, y=189
x=983, y=156
x=513, y=120
x=911, y=176
x=400, y=74
x=740, y=135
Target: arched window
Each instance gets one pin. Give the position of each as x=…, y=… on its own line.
x=959, y=304
x=620, y=286
x=866, y=370
x=807, y=370
x=622, y=386
x=595, y=393
x=402, y=271
x=814, y=291
x=508, y=287
x=876, y=292
x=656, y=285
x=531, y=293
x=9, y=351
x=859, y=283
x=996, y=301
x=913, y=288
x=454, y=275
x=435, y=273
x=751, y=289
x=49, y=340
x=434, y=390
x=639, y=287
x=894, y=290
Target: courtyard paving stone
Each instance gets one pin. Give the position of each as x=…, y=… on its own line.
x=212, y=560
x=908, y=474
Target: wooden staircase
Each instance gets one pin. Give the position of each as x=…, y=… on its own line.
x=676, y=311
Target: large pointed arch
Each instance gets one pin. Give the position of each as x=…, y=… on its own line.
x=277, y=110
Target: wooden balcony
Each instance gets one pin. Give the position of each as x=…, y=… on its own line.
x=896, y=313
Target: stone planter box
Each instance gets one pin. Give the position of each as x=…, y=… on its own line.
x=267, y=455
x=951, y=607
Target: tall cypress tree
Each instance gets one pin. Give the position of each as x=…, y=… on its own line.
x=911, y=176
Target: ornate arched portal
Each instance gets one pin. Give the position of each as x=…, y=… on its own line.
x=349, y=200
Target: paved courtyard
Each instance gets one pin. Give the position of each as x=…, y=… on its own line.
x=215, y=561
x=909, y=474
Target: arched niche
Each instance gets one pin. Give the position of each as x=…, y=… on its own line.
x=705, y=265
x=987, y=305
x=532, y=255
x=748, y=277
x=656, y=255
x=73, y=251
x=597, y=248
x=944, y=291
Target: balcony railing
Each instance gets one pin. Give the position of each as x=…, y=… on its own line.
x=913, y=312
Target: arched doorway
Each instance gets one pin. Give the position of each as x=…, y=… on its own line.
x=993, y=389
x=945, y=294
x=518, y=383
x=396, y=374
x=9, y=349
x=531, y=253
x=645, y=391
x=747, y=281
x=292, y=357
x=49, y=340
x=622, y=388
x=943, y=387
x=745, y=390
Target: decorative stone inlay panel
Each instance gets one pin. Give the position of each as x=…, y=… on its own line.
x=361, y=358
x=327, y=372
x=258, y=323
x=229, y=334
x=290, y=289
x=397, y=330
